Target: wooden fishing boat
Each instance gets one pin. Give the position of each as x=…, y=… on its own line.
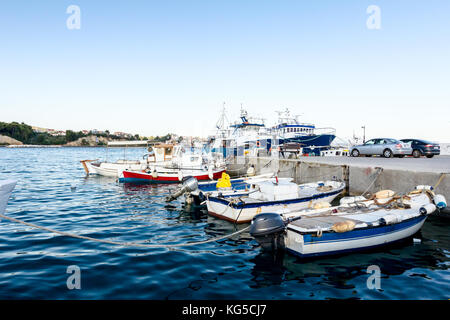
x=354, y=225
x=6, y=188
x=271, y=195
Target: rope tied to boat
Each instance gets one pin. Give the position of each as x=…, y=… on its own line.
x=124, y=244
x=377, y=174
x=440, y=180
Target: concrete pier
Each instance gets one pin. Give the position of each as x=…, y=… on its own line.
x=361, y=174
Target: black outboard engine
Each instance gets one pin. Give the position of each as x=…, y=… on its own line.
x=268, y=229
x=189, y=184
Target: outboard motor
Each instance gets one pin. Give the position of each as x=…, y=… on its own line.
x=189, y=184
x=268, y=229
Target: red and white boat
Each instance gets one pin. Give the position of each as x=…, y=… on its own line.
x=168, y=175
x=188, y=162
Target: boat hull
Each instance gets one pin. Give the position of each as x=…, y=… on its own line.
x=166, y=177
x=331, y=243
x=111, y=169
x=6, y=188
x=244, y=213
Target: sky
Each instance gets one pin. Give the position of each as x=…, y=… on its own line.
x=153, y=67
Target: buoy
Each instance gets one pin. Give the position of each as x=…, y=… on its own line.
x=427, y=209
x=439, y=201
x=250, y=171
x=155, y=174
x=180, y=175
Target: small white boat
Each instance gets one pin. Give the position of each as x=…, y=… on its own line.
x=239, y=187
x=6, y=188
x=271, y=195
x=158, y=155
x=351, y=226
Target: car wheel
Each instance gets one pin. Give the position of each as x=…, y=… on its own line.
x=387, y=153
x=416, y=153
x=430, y=156
x=355, y=153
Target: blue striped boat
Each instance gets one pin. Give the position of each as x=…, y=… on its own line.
x=352, y=226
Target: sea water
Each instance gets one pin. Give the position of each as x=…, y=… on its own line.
x=53, y=191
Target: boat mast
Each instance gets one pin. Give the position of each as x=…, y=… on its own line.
x=223, y=120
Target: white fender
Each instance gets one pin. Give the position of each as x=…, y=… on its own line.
x=428, y=208
x=424, y=187
x=439, y=201
x=210, y=173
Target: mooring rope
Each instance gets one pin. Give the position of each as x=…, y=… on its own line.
x=440, y=180
x=124, y=244
x=377, y=174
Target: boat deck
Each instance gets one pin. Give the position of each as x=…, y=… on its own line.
x=327, y=222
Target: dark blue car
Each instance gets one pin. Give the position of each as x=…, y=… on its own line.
x=423, y=148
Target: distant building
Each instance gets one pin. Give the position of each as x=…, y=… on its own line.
x=39, y=129
x=122, y=134
x=52, y=132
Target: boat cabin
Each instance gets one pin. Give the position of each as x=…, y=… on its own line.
x=160, y=152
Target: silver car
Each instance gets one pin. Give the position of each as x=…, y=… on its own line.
x=385, y=147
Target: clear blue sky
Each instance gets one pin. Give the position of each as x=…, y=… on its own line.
x=151, y=67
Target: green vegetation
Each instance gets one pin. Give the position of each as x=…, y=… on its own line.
x=25, y=134
x=160, y=139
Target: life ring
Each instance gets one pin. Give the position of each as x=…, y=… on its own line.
x=258, y=143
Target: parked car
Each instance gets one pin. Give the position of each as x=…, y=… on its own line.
x=385, y=147
x=423, y=148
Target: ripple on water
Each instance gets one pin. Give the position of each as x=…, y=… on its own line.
x=56, y=194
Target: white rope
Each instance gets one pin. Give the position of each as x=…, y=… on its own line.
x=373, y=181
x=125, y=244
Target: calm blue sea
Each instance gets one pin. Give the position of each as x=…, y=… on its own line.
x=53, y=191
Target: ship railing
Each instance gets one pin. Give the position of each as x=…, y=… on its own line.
x=325, y=130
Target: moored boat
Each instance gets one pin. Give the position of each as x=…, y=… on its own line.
x=159, y=154
x=352, y=226
x=167, y=175
x=238, y=187
x=271, y=195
